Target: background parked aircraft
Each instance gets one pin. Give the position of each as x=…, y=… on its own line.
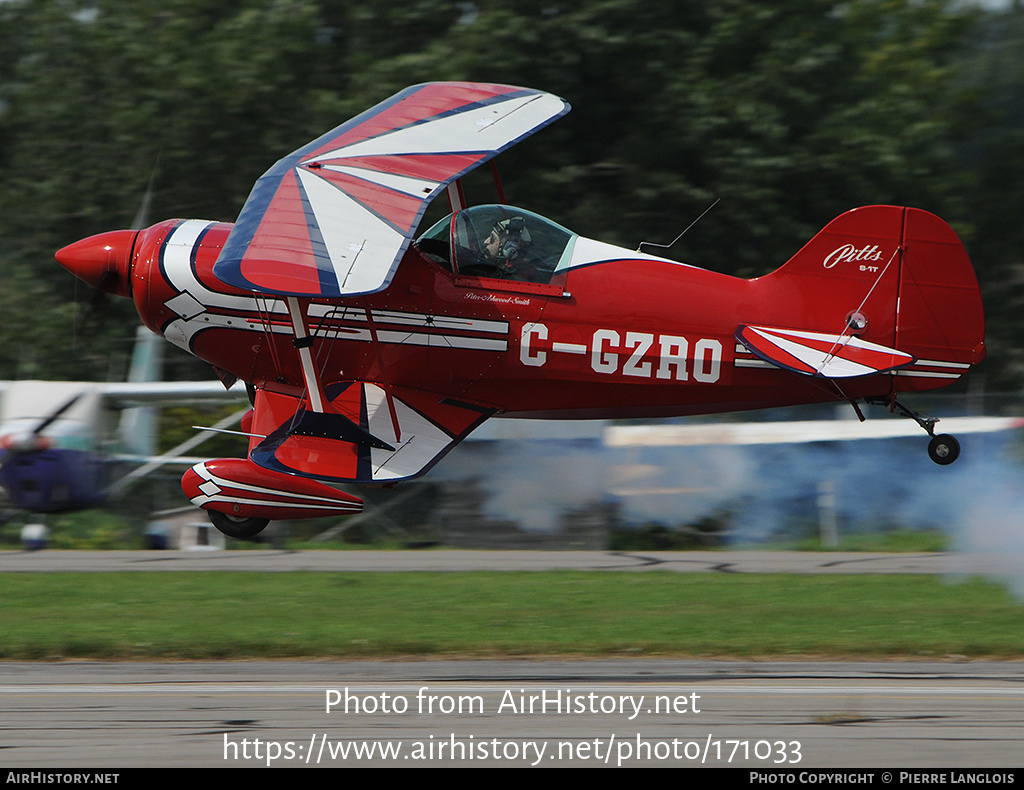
x=63, y=442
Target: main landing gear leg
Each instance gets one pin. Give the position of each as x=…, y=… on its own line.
x=943, y=449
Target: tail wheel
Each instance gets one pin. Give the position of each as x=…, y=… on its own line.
x=944, y=449
x=235, y=527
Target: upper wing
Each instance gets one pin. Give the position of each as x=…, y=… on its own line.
x=334, y=218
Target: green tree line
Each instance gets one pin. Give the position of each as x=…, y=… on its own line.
x=789, y=112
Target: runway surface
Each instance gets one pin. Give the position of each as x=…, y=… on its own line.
x=796, y=716
x=468, y=560
x=634, y=712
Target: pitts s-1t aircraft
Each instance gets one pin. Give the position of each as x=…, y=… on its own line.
x=370, y=352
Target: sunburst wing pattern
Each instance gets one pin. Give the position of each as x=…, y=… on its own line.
x=334, y=218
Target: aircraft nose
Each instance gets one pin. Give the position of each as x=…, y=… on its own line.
x=103, y=261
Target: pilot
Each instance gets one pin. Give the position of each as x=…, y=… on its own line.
x=506, y=245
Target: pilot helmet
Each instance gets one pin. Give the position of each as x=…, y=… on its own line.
x=512, y=234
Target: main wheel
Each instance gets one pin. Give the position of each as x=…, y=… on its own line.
x=944, y=449
x=235, y=527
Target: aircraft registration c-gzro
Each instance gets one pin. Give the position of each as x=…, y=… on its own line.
x=370, y=352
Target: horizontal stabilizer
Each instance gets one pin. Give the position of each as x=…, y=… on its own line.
x=361, y=439
x=820, y=354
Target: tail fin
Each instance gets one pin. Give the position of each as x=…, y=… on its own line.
x=896, y=277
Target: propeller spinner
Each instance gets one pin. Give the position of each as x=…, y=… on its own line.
x=103, y=261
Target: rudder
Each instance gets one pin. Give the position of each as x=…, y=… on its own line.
x=941, y=316
x=901, y=276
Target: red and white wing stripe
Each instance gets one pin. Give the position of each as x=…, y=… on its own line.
x=334, y=218
x=820, y=354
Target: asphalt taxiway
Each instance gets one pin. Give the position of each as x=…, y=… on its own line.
x=270, y=560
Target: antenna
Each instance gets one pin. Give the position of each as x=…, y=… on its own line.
x=677, y=238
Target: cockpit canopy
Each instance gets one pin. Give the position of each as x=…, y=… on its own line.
x=499, y=241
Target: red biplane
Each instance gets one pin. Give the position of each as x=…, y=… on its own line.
x=370, y=352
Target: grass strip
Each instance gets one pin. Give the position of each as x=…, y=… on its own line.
x=310, y=614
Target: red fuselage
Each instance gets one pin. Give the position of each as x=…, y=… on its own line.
x=622, y=338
